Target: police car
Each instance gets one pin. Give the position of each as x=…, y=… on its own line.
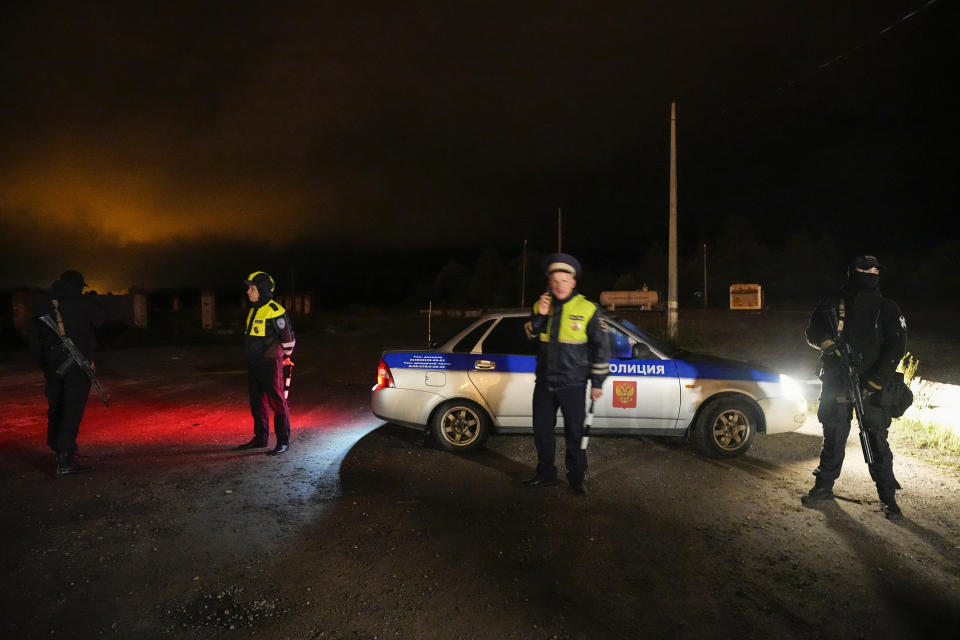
x=481, y=381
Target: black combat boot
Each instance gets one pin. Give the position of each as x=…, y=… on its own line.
x=541, y=481
x=67, y=464
x=890, y=508
x=278, y=450
x=818, y=494
x=256, y=443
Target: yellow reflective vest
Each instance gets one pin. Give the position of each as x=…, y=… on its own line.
x=268, y=333
x=573, y=344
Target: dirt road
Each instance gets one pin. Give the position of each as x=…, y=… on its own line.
x=362, y=532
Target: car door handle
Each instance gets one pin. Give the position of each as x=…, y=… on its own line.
x=484, y=365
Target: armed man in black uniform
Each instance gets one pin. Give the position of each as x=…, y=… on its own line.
x=573, y=350
x=876, y=331
x=66, y=385
x=268, y=343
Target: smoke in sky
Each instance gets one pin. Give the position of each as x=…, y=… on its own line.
x=133, y=136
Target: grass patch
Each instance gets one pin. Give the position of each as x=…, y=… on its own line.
x=925, y=440
x=928, y=441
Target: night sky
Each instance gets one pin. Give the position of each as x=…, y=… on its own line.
x=141, y=143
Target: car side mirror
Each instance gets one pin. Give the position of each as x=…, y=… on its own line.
x=433, y=344
x=640, y=351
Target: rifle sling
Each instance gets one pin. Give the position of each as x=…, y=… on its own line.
x=69, y=362
x=56, y=310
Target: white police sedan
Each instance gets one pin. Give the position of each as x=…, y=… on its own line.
x=481, y=381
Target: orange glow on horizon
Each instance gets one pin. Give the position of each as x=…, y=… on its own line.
x=102, y=288
x=136, y=205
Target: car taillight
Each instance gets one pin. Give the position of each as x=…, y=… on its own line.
x=384, y=377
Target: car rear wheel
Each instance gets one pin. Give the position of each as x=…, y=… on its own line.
x=726, y=428
x=460, y=426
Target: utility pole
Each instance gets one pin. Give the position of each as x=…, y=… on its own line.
x=559, y=230
x=704, y=275
x=672, y=310
x=523, y=274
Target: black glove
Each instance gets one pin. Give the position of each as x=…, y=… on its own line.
x=870, y=388
x=829, y=347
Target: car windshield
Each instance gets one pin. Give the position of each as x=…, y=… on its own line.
x=663, y=346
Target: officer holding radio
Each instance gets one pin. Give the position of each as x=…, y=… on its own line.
x=573, y=349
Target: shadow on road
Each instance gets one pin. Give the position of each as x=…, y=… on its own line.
x=949, y=549
x=923, y=607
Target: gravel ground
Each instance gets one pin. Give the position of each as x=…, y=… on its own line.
x=361, y=531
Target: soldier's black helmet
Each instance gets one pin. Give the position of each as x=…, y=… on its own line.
x=71, y=282
x=865, y=262
x=263, y=282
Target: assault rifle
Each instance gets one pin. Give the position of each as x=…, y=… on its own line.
x=851, y=373
x=75, y=358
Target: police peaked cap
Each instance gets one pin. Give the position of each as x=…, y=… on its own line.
x=866, y=262
x=563, y=262
x=261, y=280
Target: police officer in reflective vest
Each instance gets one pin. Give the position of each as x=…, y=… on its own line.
x=573, y=349
x=876, y=331
x=268, y=343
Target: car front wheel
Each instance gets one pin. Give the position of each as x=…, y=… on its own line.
x=460, y=426
x=726, y=428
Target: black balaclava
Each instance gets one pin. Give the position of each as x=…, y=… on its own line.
x=865, y=281
x=859, y=279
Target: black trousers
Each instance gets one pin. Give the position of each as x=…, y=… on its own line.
x=836, y=417
x=572, y=403
x=66, y=401
x=266, y=395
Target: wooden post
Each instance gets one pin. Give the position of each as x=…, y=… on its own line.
x=559, y=230
x=704, y=275
x=208, y=309
x=523, y=274
x=672, y=310
x=141, y=317
x=22, y=303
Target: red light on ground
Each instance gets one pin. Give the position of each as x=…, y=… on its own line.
x=135, y=422
x=177, y=403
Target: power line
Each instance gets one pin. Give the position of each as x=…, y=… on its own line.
x=835, y=59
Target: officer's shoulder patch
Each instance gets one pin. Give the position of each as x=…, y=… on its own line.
x=273, y=305
x=281, y=323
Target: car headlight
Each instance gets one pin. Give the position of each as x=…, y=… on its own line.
x=791, y=388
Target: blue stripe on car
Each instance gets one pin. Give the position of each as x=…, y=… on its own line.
x=712, y=371
x=619, y=368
